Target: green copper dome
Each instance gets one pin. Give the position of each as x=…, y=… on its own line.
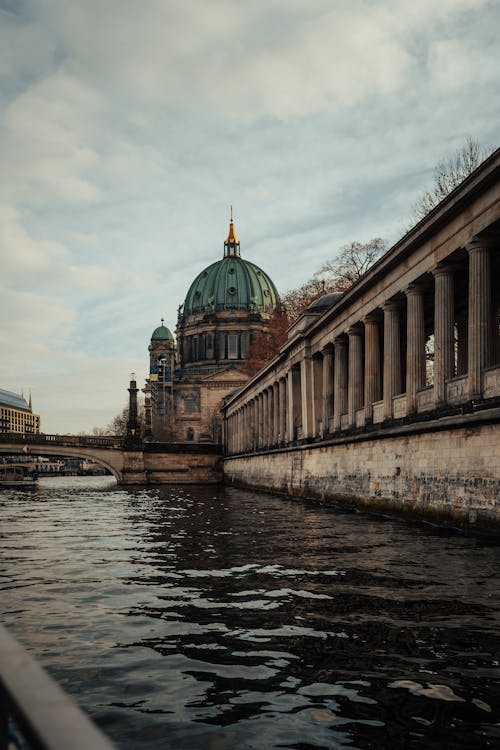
x=161, y=333
x=231, y=284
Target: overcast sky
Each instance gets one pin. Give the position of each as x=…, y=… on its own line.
x=128, y=128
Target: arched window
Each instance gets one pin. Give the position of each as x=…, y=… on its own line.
x=190, y=433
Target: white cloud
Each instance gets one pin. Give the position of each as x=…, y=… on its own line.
x=34, y=322
x=20, y=255
x=455, y=63
x=250, y=60
x=27, y=261
x=44, y=142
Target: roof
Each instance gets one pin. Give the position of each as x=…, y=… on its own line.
x=161, y=333
x=325, y=301
x=231, y=284
x=13, y=400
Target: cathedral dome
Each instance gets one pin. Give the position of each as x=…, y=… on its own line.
x=161, y=333
x=231, y=284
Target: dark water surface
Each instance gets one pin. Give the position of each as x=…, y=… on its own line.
x=221, y=619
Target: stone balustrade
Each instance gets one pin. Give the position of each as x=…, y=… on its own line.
x=399, y=406
x=492, y=382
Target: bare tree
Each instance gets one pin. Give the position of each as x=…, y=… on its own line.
x=294, y=301
x=351, y=263
x=267, y=342
x=336, y=275
x=118, y=425
x=448, y=174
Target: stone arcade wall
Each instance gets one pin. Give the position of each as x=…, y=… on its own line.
x=448, y=474
x=354, y=408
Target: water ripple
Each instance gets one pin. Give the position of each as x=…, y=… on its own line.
x=201, y=618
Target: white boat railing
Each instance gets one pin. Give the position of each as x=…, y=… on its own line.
x=33, y=706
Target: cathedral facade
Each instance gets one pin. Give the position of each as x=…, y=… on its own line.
x=227, y=304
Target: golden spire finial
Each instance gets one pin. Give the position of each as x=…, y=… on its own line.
x=231, y=237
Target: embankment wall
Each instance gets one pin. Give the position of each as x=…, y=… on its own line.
x=449, y=473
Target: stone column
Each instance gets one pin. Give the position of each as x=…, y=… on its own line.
x=415, y=346
x=265, y=417
x=289, y=411
x=282, y=410
x=255, y=422
x=355, y=379
x=444, y=355
x=253, y=418
x=372, y=365
x=133, y=426
x=306, y=396
x=392, y=356
x=316, y=367
x=258, y=421
x=340, y=381
x=276, y=413
x=480, y=314
x=327, y=386
x=270, y=415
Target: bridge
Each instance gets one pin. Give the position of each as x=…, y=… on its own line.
x=130, y=461
x=388, y=395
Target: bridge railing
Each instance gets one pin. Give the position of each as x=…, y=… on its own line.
x=35, y=712
x=79, y=441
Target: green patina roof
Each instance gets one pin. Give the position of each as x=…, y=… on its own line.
x=231, y=284
x=161, y=333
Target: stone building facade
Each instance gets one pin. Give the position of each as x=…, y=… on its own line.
x=190, y=375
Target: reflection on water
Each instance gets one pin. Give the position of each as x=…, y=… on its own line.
x=222, y=619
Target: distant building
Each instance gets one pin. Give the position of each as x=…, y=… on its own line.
x=16, y=414
x=227, y=304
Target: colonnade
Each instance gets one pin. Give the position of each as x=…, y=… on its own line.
x=433, y=343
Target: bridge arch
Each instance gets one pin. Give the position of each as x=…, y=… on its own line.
x=108, y=456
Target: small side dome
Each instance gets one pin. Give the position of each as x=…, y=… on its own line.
x=324, y=302
x=161, y=333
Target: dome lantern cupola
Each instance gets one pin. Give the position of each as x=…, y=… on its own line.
x=162, y=333
x=232, y=243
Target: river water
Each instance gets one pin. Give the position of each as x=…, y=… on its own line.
x=212, y=618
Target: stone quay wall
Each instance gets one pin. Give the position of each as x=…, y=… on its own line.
x=448, y=471
x=182, y=468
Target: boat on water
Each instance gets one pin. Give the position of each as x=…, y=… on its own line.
x=17, y=475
